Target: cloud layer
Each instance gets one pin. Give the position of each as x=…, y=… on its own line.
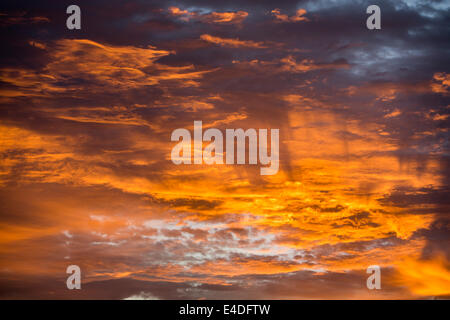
x=86, y=177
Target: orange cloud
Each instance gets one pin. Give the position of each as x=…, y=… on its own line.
x=441, y=83
x=111, y=67
x=299, y=16
x=232, y=43
x=424, y=277
x=225, y=17
x=290, y=64
x=175, y=11
x=393, y=114
x=230, y=17
x=21, y=18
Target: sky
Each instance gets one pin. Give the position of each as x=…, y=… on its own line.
x=86, y=176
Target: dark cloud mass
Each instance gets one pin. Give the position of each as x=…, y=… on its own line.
x=85, y=171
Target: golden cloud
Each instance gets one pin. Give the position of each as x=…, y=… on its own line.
x=232, y=43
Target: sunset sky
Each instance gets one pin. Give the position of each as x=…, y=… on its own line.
x=86, y=177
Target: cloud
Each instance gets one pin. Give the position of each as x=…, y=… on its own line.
x=290, y=64
x=393, y=114
x=85, y=140
x=424, y=277
x=299, y=16
x=100, y=65
x=228, y=17
x=225, y=17
x=177, y=11
x=21, y=18
x=142, y=296
x=232, y=43
x=115, y=66
x=441, y=83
